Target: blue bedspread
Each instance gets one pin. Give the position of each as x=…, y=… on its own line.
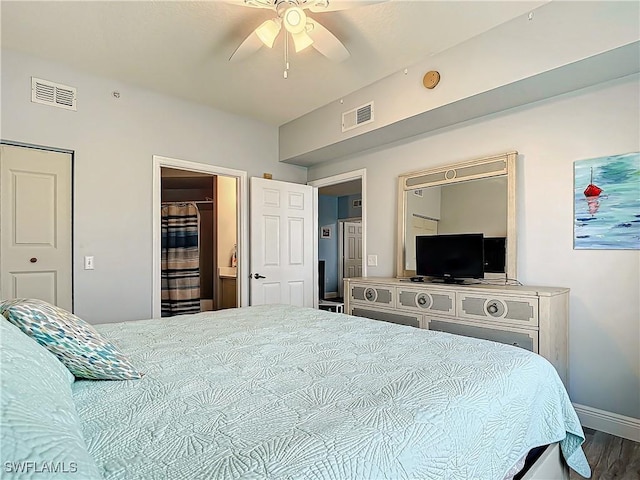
x=282, y=392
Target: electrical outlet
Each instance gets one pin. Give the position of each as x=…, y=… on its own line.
x=372, y=260
x=88, y=262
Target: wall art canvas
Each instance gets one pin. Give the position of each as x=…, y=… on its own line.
x=607, y=203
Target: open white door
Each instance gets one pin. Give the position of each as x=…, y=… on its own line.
x=35, y=245
x=282, y=243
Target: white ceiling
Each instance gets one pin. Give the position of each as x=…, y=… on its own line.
x=182, y=48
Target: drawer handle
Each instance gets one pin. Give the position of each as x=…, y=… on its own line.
x=492, y=308
x=423, y=300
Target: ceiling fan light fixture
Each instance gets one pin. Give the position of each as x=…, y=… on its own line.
x=268, y=31
x=295, y=20
x=301, y=41
x=304, y=30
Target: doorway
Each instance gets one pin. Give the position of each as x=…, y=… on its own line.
x=216, y=196
x=36, y=253
x=341, y=231
x=349, y=251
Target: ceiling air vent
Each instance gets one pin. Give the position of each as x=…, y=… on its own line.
x=54, y=94
x=357, y=117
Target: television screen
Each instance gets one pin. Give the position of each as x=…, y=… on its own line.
x=450, y=257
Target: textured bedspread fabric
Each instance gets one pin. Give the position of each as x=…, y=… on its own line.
x=282, y=392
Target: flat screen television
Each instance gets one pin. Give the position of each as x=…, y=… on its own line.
x=450, y=258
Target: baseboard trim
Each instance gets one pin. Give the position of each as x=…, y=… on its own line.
x=608, y=422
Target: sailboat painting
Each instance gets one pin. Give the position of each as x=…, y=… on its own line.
x=607, y=203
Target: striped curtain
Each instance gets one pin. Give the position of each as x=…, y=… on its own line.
x=180, y=259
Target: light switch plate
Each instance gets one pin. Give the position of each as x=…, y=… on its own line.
x=372, y=260
x=88, y=262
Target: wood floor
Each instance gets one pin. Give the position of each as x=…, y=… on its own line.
x=610, y=457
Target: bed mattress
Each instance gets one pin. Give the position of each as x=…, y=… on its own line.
x=284, y=392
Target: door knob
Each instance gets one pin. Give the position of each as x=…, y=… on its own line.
x=257, y=276
x=33, y=259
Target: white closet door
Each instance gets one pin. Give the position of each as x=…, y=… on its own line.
x=35, y=211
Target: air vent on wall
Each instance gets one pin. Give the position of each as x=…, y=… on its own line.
x=357, y=117
x=54, y=94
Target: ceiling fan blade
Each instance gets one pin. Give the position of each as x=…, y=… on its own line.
x=250, y=45
x=319, y=6
x=326, y=42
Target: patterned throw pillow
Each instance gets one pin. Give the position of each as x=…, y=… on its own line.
x=76, y=343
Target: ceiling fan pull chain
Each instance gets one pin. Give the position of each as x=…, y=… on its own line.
x=286, y=55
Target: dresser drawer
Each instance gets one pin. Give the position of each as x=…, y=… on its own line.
x=425, y=300
x=527, y=339
x=402, y=318
x=371, y=294
x=507, y=310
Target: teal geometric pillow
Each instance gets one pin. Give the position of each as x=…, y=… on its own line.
x=76, y=343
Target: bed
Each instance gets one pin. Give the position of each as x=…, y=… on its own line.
x=283, y=392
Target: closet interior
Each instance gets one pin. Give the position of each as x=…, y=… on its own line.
x=215, y=199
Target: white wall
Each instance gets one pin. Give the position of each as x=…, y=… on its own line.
x=114, y=141
x=475, y=207
x=604, y=331
x=427, y=205
x=227, y=219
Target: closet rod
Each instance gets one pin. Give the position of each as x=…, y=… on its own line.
x=187, y=201
x=206, y=200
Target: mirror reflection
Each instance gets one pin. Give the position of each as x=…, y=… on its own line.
x=473, y=206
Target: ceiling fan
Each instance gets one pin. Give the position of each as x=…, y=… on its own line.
x=304, y=31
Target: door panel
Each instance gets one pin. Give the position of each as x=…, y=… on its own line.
x=282, y=239
x=296, y=293
x=33, y=213
x=270, y=294
x=296, y=241
x=40, y=285
x=272, y=248
x=35, y=239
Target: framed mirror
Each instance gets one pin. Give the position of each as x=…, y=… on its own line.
x=470, y=197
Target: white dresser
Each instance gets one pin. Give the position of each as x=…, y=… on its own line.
x=534, y=318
